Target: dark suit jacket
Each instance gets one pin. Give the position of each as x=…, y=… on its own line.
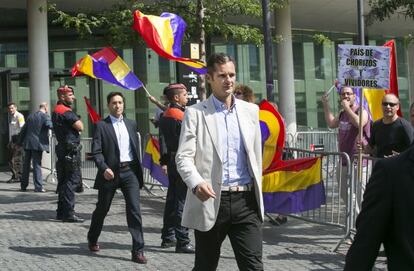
x=105, y=150
x=387, y=216
x=35, y=132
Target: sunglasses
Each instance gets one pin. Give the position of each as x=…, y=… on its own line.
x=238, y=93
x=390, y=104
x=347, y=94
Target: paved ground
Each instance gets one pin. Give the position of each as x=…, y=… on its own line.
x=31, y=240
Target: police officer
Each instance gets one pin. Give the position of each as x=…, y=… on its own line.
x=173, y=234
x=67, y=127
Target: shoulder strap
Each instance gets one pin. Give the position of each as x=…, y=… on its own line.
x=174, y=113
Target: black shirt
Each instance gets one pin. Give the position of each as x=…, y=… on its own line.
x=63, y=119
x=385, y=138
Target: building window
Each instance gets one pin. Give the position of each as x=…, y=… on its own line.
x=254, y=63
x=301, y=112
x=401, y=59
x=70, y=59
x=298, y=61
x=319, y=61
x=164, y=70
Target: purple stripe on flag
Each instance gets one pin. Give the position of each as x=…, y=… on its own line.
x=155, y=170
x=178, y=26
x=130, y=81
x=295, y=202
x=102, y=71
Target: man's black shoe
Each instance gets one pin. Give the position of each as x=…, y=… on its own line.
x=73, y=219
x=168, y=243
x=189, y=249
x=12, y=180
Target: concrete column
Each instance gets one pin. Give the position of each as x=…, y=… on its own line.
x=38, y=52
x=286, y=84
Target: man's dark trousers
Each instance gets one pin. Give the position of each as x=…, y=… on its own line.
x=36, y=156
x=238, y=218
x=174, y=205
x=129, y=185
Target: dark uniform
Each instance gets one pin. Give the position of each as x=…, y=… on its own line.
x=170, y=127
x=68, y=159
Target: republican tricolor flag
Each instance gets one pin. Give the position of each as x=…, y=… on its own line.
x=107, y=65
x=151, y=161
x=291, y=186
x=374, y=96
x=164, y=35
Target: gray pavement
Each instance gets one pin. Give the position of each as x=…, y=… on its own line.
x=30, y=238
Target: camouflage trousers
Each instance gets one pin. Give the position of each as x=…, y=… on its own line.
x=16, y=160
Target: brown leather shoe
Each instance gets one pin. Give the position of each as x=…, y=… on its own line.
x=94, y=247
x=139, y=257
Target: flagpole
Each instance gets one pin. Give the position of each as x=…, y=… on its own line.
x=146, y=90
x=361, y=34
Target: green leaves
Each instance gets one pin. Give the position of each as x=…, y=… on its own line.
x=222, y=18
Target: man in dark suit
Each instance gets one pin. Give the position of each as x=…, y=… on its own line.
x=115, y=151
x=34, y=138
x=386, y=217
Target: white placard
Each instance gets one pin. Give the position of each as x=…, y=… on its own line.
x=364, y=66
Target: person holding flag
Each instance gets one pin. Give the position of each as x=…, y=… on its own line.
x=347, y=122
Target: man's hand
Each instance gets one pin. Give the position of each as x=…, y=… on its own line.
x=393, y=153
x=164, y=169
x=152, y=99
x=325, y=98
x=204, y=191
x=108, y=174
x=345, y=104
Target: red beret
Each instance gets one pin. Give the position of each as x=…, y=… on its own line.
x=173, y=86
x=65, y=89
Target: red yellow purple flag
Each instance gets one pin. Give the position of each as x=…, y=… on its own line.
x=164, y=35
x=151, y=161
x=290, y=186
x=374, y=96
x=107, y=65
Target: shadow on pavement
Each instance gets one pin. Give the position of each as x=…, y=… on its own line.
x=71, y=249
x=37, y=215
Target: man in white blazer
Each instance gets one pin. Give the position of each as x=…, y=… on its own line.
x=220, y=159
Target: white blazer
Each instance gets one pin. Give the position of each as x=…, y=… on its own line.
x=198, y=158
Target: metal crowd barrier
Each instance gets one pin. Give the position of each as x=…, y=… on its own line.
x=314, y=140
x=88, y=167
x=336, y=176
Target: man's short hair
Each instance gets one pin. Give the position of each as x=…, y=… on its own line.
x=11, y=103
x=112, y=94
x=42, y=105
x=217, y=58
x=173, y=89
x=62, y=90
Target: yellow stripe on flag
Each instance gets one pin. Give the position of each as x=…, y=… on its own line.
x=119, y=68
x=290, y=181
x=86, y=66
x=152, y=150
x=374, y=100
x=163, y=27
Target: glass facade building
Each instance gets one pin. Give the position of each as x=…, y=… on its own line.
x=314, y=73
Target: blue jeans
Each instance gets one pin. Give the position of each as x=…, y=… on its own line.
x=36, y=158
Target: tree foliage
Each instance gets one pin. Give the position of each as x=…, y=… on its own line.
x=384, y=9
x=114, y=24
